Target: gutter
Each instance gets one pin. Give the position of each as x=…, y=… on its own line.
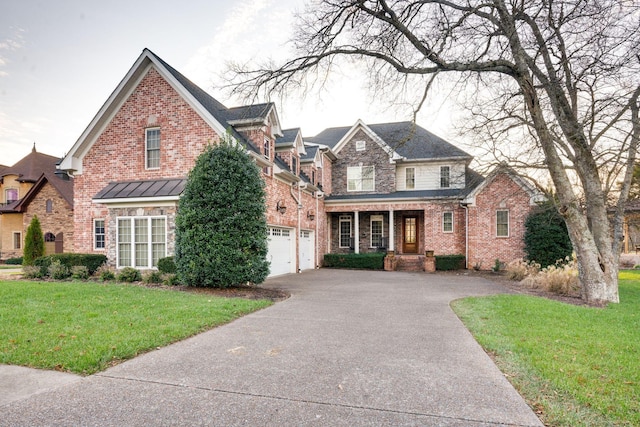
x=465, y=206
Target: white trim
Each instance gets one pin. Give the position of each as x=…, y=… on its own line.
x=376, y=218
x=104, y=226
x=448, y=168
x=508, y=223
x=452, y=226
x=146, y=147
x=361, y=180
x=406, y=180
x=348, y=219
x=132, y=243
x=139, y=201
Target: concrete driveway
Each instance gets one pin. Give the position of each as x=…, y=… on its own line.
x=349, y=348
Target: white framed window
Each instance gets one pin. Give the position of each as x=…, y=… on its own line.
x=502, y=223
x=361, y=145
x=267, y=148
x=141, y=241
x=344, y=224
x=410, y=178
x=98, y=234
x=294, y=165
x=152, y=148
x=377, y=231
x=447, y=222
x=10, y=195
x=445, y=176
x=361, y=178
x=17, y=240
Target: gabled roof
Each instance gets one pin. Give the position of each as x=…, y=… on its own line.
x=211, y=110
x=288, y=138
x=64, y=187
x=534, y=194
x=406, y=139
x=310, y=153
x=31, y=166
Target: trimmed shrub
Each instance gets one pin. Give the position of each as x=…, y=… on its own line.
x=167, y=265
x=368, y=261
x=221, y=225
x=58, y=271
x=91, y=261
x=152, y=277
x=14, y=261
x=169, y=279
x=450, y=262
x=129, y=274
x=33, y=242
x=106, y=273
x=79, y=272
x=546, y=239
x=32, y=272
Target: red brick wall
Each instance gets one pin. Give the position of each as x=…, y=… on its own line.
x=484, y=247
x=119, y=152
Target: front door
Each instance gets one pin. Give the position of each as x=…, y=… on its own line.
x=410, y=235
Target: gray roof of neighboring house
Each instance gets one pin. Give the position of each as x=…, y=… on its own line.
x=406, y=138
x=249, y=112
x=140, y=189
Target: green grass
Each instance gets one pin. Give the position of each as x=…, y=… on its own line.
x=86, y=327
x=576, y=366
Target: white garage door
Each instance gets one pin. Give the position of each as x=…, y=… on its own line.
x=306, y=252
x=280, y=253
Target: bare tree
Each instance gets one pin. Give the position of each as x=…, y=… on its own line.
x=562, y=74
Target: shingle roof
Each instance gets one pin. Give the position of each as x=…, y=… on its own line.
x=32, y=166
x=221, y=113
x=288, y=137
x=406, y=138
x=140, y=189
x=310, y=154
x=248, y=112
x=63, y=186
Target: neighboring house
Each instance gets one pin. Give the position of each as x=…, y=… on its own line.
x=386, y=187
x=32, y=187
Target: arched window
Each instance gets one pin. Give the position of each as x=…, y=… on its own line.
x=49, y=237
x=49, y=206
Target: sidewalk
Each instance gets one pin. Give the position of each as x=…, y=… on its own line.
x=349, y=348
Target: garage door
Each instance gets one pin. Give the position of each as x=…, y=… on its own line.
x=280, y=253
x=307, y=253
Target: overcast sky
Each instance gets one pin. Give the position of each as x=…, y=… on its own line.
x=60, y=61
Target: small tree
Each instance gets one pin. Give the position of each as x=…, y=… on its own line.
x=33, y=242
x=221, y=227
x=546, y=238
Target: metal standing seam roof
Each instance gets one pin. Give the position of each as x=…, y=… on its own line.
x=142, y=189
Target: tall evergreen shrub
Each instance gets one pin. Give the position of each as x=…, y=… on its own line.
x=221, y=227
x=33, y=242
x=546, y=237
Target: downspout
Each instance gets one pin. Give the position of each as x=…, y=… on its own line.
x=315, y=235
x=466, y=234
x=299, y=206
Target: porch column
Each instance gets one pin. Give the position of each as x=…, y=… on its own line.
x=356, y=233
x=392, y=239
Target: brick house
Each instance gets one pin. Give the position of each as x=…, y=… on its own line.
x=392, y=187
x=32, y=187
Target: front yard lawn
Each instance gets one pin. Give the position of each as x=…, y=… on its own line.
x=576, y=366
x=85, y=327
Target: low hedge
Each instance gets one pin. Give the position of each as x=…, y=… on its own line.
x=14, y=261
x=167, y=265
x=369, y=261
x=450, y=262
x=91, y=261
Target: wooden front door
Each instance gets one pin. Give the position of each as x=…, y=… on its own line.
x=410, y=235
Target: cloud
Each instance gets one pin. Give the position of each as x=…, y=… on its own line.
x=9, y=46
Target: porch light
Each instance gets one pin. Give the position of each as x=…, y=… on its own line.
x=280, y=207
x=311, y=215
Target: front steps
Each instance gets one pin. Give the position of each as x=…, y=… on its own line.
x=410, y=262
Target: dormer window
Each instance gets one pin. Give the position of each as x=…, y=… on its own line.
x=152, y=148
x=267, y=148
x=361, y=145
x=294, y=165
x=445, y=177
x=11, y=195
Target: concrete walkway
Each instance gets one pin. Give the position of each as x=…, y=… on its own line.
x=349, y=348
